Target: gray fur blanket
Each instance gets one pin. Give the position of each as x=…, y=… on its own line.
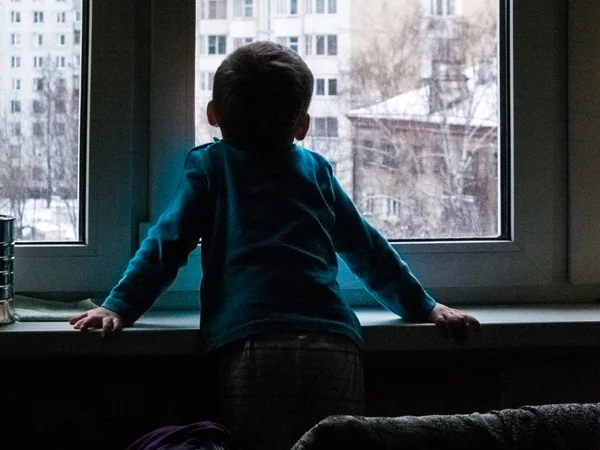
x=548, y=427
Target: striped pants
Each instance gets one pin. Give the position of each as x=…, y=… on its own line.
x=275, y=387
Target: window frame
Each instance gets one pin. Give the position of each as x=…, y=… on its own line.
x=532, y=260
x=114, y=140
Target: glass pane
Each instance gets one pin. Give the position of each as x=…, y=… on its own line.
x=414, y=132
x=40, y=67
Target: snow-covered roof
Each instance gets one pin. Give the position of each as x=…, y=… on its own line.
x=479, y=108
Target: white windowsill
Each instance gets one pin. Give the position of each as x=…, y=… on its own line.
x=176, y=333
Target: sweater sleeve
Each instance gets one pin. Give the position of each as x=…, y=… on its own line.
x=166, y=248
x=370, y=256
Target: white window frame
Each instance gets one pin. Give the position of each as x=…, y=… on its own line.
x=114, y=149
x=61, y=40
x=287, y=41
x=39, y=39
x=15, y=17
x=205, y=44
x=16, y=84
x=15, y=106
x=243, y=9
x=444, y=8
x=311, y=44
x=241, y=41
x=15, y=62
x=284, y=7
x=329, y=7
x=61, y=17
x=531, y=265
x=38, y=62
x=38, y=16
x=220, y=9
x=326, y=87
x=206, y=82
x=15, y=39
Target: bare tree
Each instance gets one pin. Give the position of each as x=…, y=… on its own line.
x=425, y=158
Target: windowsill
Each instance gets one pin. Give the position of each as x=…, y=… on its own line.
x=176, y=333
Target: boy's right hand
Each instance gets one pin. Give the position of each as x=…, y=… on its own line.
x=109, y=321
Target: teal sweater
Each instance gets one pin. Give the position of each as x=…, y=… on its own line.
x=271, y=224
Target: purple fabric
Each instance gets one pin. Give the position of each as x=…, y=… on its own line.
x=185, y=437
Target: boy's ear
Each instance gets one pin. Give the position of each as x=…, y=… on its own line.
x=302, y=128
x=211, y=114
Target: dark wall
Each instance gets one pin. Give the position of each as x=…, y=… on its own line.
x=107, y=402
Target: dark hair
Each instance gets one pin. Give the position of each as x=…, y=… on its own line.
x=261, y=93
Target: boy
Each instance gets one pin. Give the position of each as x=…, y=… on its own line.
x=271, y=216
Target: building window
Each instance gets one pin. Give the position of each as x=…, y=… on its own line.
x=287, y=7
x=392, y=207
x=38, y=17
x=61, y=17
x=289, y=41
x=243, y=9
x=16, y=129
x=61, y=61
x=213, y=9
x=213, y=45
x=61, y=84
x=15, y=17
x=76, y=37
x=61, y=40
x=321, y=6
x=324, y=127
x=369, y=203
x=323, y=44
x=38, y=39
x=59, y=107
x=16, y=84
x=443, y=7
x=37, y=107
x=77, y=16
x=38, y=62
x=325, y=86
x=38, y=84
x=15, y=39
x=15, y=106
x=76, y=60
x=38, y=129
x=239, y=41
x=15, y=62
x=206, y=80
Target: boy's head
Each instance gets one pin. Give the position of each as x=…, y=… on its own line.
x=261, y=95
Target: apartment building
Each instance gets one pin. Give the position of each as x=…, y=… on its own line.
x=319, y=30
x=40, y=77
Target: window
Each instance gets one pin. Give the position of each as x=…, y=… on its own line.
x=392, y=206
x=16, y=84
x=243, y=9
x=61, y=17
x=532, y=258
x=15, y=106
x=16, y=129
x=59, y=107
x=38, y=39
x=289, y=41
x=15, y=62
x=214, y=45
x=326, y=86
x=287, y=7
x=61, y=62
x=38, y=17
x=239, y=41
x=78, y=16
x=38, y=62
x=15, y=17
x=323, y=44
x=206, y=83
x=76, y=60
x=37, y=107
x=61, y=40
x=321, y=6
x=443, y=7
x=61, y=85
x=213, y=9
x=38, y=129
x=38, y=84
x=324, y=127
x=15, y=39
x=76, y=37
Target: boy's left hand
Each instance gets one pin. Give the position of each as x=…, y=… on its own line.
x=452, y=322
